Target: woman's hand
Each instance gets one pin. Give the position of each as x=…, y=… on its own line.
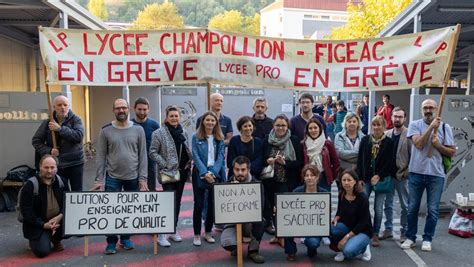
x=271, y=161
x=209, y=178
x=335, y=220
x=374, y=180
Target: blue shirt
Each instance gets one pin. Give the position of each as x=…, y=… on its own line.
x=420, y=162
x=225, y=123
x=149, y=126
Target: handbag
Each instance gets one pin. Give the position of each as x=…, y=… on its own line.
x=461, y=223
x=267, y=172
x=166, y=179
x=383, y=186
x=447, y=161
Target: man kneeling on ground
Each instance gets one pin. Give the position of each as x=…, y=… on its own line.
x=241, y=168
x=42, y=208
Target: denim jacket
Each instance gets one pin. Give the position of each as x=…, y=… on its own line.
x=200, y=151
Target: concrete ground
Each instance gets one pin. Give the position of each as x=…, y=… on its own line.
x=448, y=250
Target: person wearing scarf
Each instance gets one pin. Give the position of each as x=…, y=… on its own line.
x=375, y=164
x=171, y=154
x=319, y=151
x=283, y=151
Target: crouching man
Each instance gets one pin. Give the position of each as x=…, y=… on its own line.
x=42, y=208
x=241, y=168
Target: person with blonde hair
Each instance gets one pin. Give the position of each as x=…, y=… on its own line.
x=347, y=142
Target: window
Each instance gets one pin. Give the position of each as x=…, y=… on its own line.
x=325, y=17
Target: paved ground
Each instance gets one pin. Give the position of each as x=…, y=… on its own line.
x=448, y=250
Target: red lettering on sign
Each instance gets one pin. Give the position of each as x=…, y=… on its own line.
x=187, y=69
x=347, y=78
x=387, y=73
x=149, y=70
x=424, y=70
x=410, y=76
x=81, y=69
x=62, y=70
x=162, y=44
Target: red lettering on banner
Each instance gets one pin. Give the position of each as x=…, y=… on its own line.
x=417, y=42
x=336, y=54
x=245, y=51
x=233, y=68
x=365, y=54
x=225, y=44
x=103, y=42
x=346, y=52
x=127, y=44
x=62, y=38
x=149, y=69
x=110, y=65
x=130, y=44
x=234, y=51
x=81, y=69
x=317, y=76
x=386, y=73
x=162, y=44
x=62, y=69
x=319, y=54
x=268, y=71
x=211, y=41
x=424, y=70
x=191, y=43
x=350, y=51
x=298, y=75
x=441, y=47
x=139, y=44
x=354, y=79
x=410, y=76
x=202, y=38
x=366, y=75
x=86, y=46
x=177, y=43
x=374, y=51
x=135, y=72
x=187, y=69
x=111, y=44
x=172, y=72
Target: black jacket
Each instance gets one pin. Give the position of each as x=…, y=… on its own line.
x=292, y=168
x=33, y=207
x=68, y=138
x=383, y=162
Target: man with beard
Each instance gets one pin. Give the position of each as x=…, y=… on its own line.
x=298, y=122
x=426, y=173
x=42, y=208
x=122, y=160
x=401, y=158
x=69, y=132
x=263, y=124
x=142, y=107
x=241, y=170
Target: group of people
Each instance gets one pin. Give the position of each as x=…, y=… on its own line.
x=304, y=154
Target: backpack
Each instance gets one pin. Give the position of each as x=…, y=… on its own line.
x=20, y=173
x=447, y=161
x=35, y=183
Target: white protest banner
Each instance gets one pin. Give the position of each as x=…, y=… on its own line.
x=238, y=203
x=99, y=213
x=303, y=214
x=189, y=56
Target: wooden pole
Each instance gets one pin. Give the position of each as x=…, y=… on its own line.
x=240, y=260
x=446, y=78
x=155, y=244
x=50, y=107
x=209, y=91
x=86, y=246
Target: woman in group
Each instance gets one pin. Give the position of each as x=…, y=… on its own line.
x=320, y=152
x=311, y=175
x=375, y=165
x=173, y=157
x=246, y=145
x=352, y=228
x=283, y=151
x=347, y=142
x=209, y=168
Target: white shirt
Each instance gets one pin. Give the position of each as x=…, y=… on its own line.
x=211, y=154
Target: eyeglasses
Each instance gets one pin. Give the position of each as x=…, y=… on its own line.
x=281, y=125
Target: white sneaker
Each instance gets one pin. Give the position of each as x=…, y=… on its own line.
x=326, y=241
x=197, y=240
x=209, y=239
x=302, y=240
x=367, y=255
x=163, y=241
x=339, y=257
x=426, y=246
x=407, y=244
x=176, y=237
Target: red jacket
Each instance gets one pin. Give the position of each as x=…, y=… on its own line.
x=329, y=158
x=386, y=113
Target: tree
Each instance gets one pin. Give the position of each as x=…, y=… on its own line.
x=98, y=9
x=368, y=18
x=160, y=17
x=233, y=21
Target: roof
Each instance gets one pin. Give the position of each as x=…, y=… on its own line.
x=19, y=20
x=438, y=14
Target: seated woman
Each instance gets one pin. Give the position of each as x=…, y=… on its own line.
x=42, y=208
x=310, y=175
x=209, y=168
x=352, y=227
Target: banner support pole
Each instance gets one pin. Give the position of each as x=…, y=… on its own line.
x=155, y=244
x=86, y=246
x=238, y=233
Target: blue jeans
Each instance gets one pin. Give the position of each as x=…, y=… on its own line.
x=355, y=246
x=417, y=183
x=312, y=243
x=117, y=185
x=378, y=206
x=401, y=187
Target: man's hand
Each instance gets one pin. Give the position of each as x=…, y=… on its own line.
x=54, y=126
x=54, y=152
x=374, y=180
x=434, y=138
x=435, y=123
x=143, y=185
x=98, y=186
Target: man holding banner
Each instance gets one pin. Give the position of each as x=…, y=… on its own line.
x=122, y=160
x=241, y=170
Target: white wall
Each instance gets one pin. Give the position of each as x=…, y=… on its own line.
x=271, y=20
